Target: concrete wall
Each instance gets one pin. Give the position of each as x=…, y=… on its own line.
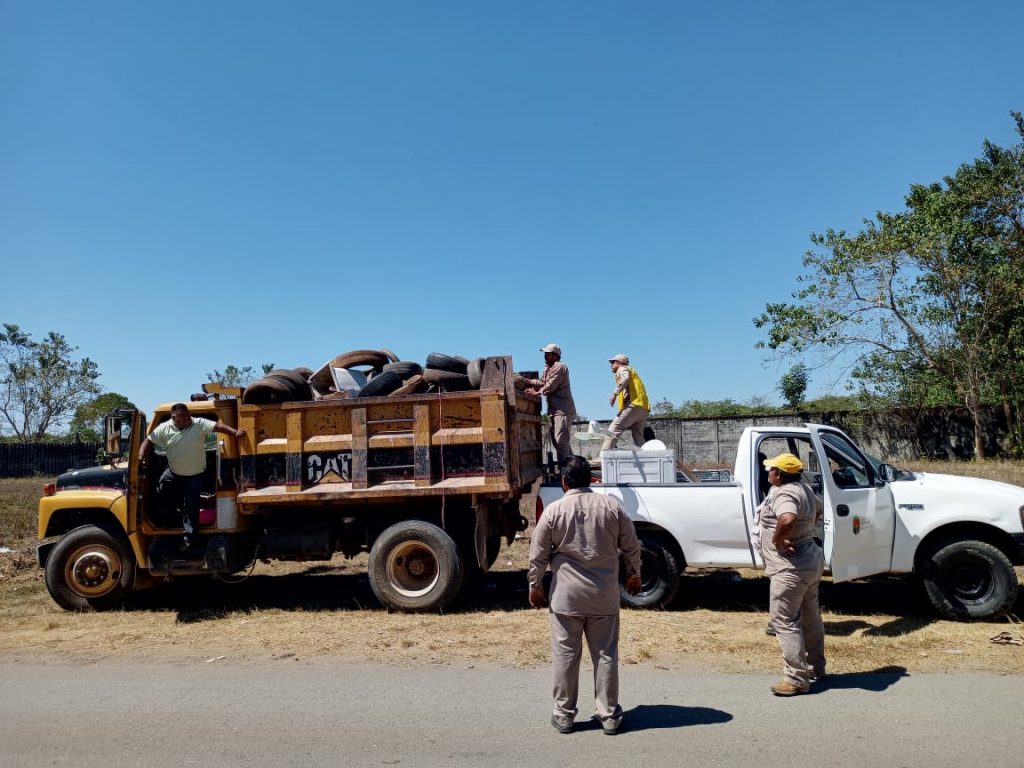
x=895, y=435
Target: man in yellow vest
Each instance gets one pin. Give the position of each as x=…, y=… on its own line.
x=633, y=404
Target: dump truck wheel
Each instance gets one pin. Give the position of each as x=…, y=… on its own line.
x=90, y=569
x=659, y=575
x=969, y=580
x=415, y=566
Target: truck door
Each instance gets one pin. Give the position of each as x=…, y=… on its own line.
x=136, y=424
x=860, y=516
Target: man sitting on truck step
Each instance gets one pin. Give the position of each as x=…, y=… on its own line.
x=183, y=439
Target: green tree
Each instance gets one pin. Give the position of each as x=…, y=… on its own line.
x=87, y=423
x=793, y=385
x=41, y=383
x=233, y=376
x=924, y=305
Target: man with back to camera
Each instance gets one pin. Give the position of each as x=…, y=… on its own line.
x=580, y=536
x=554, y=385
x=634, y=406
x=183, y=439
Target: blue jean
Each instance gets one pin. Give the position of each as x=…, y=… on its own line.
x=184, y=487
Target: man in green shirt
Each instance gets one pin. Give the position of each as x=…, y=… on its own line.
x=183, y=439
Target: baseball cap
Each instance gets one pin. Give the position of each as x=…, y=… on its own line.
x=619, y=359
x=785, y=462
x=552, y=348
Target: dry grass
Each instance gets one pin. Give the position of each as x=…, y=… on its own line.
x=293, y=611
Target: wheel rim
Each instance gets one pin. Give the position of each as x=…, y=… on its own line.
x=650, y=573
x=412, y=569
x=970, y=580
x=93, y=570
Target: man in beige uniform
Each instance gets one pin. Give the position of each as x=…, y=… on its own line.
x=794, y=562
x=554, y=385
x=580, y=536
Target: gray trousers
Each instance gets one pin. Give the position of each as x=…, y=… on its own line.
x=632, y=418
x=561, y=432
x=602, y=634
x=796, y=618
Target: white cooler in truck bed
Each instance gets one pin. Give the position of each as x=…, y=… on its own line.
x=638, y=466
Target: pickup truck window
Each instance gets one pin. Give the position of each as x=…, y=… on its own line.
x=848, y=467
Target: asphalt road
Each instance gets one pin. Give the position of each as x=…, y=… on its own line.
x=293, y=713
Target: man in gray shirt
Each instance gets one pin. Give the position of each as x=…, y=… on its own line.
x=554, y=385
x=580, y=537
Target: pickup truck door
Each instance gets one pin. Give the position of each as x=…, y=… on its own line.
x=860, y=515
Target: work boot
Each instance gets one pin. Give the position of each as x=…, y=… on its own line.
x=786, y=688
x=562, y=726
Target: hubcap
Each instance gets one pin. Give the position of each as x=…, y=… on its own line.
x=412, y=569
x=92, y=571
x=970, y=581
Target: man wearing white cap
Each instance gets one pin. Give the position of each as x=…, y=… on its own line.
x=554, y=385
x=633, y=404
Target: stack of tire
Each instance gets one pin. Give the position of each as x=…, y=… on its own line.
x=282, y=385
x=442, y=373
x=385, y=375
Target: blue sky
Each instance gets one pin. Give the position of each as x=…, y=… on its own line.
x=189, y=185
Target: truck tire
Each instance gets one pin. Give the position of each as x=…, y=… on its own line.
x=406, y=369
x=659, y=575
x=969, y=580
x=90, y=569
x=415, y=567
x=381, y=385
x=448, y=381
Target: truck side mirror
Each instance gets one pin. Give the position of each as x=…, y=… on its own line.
x=112, y=436
x=887, y=472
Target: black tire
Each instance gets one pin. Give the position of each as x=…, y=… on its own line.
x=405, y=368
x=299, y=386
x=414, y=385
x=475, y=371
x=90, y=569
x=448, y=381
x=969, y=580
x=267, y=391
x=381, y=385
x=439, y=362
x=415, y=567
x=659, y=575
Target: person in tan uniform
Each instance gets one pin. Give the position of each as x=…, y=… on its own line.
x=794, y=563
x=554, y=385
x=634, y=405
x=580, y=537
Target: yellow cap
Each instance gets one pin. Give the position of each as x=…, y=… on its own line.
x=785, y=462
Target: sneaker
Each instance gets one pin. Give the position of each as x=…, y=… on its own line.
x=610, y=727
x=770, y=631
x=561, y=725
x=786, y=688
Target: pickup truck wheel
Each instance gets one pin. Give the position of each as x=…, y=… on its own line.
x=969, y=580
x=415, y=566
x=90, y=569
x=659, y=576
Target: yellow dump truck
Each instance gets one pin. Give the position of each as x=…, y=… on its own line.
x=428, y=484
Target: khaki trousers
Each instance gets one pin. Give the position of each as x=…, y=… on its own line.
x=602, y=634
x=632, y=418
x=795, y=616
x=561, y=433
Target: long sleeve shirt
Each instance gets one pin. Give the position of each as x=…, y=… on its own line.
x=580, y=536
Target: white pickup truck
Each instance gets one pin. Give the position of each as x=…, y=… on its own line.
x=960, y=536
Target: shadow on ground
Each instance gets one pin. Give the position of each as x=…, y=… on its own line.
x=325, y=588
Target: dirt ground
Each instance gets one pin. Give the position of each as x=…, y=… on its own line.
x=300, y=611
x=289, y=611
